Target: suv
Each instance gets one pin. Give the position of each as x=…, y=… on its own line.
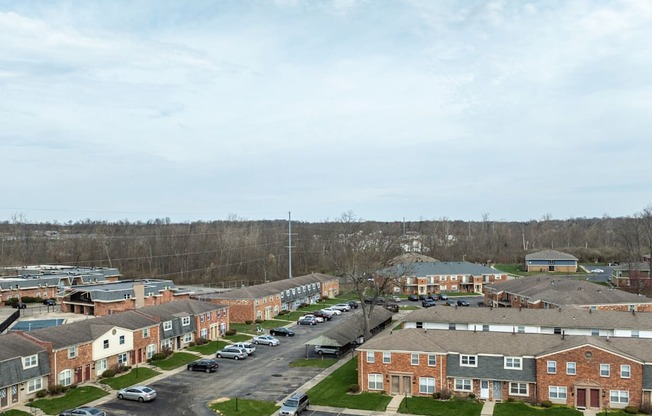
x=320, y=349
x=296, y=404
x=428, y=303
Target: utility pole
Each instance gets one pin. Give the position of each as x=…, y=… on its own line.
x=289, y=245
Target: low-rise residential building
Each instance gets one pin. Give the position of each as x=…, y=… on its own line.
x=631, y=275
x=437, y=277
x=24, y=369
x=265, y=301
x=580, y=371
x=547, y=291
x=550, y=261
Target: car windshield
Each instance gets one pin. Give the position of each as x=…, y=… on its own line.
x=291, y=403
x=147, y=389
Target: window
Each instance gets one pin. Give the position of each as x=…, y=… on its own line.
x=556, y=392
x=101, y=366
x=122, y=358
x=414, y=359
x=570, y=368
x=557, y=330
x=106, y=344
x=518, y=389
x=387, y=357
x=521, y=329
x=146, y=333
x=34, y=384
x=513, y=363
x=187, y=338
x=619, y=396
x=370, y=357
x=432, y=360
x=65, y=378
x=635, y=333
x=605, y=370
x=122, y=340
x=201, y=317
x=485, y=328
x=72, y=352
x=426, y=385
x=463, y=384
x=419, y=325
x=625, y=371
x=468, y=360
x=31, y=361
x=451, y=326
x=185, y=321
x=151, y=350
x=595, y=332
x=552, y=367
x=208, y=316
x=203, y=333
x=375, y=381
x=167, y=325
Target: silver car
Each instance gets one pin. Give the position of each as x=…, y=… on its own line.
x=247, y=346
x=83, y=411
x=232, y=352
x=140, y=393
x=266, y=340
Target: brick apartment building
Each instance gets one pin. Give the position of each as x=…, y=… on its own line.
x=550, y=261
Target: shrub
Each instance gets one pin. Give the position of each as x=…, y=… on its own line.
x=57, y=389
x=354, y=388
x=231, y=332
x=108, y=373
x=546, y=403
x=41, y=394
x=646, y=408
x=510, y=400
x=323, y=298
x=472, y=396
x=445, y=394
x=632, y=410
x=158, y=356
x=191, y=344
x=303, y=305
x=283, y=312
x=259, y=321
x=436, y=395
x=72, y=386
x=167, y=352
x=248, y=322
x=201, y=341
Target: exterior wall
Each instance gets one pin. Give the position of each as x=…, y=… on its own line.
x=401, y=365
x=267, y=307
x=35, y=292
x=212, y=325
x=239, y=310
x=139, y=352
x=330, y=288
x=114, y=347
x=82, y=365
x=588, y=360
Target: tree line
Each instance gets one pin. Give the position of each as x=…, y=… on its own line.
x=237, y=251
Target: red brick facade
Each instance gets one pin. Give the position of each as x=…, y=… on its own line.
x=399, y=375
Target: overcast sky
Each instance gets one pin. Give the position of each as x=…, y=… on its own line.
x=201, y=110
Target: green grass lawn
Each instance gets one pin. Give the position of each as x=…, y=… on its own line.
x=510, y=268
x=13, y=412
x=134, y=376
x=430, y=406
x=251, y=328
x=332, y=391
x=238, y=338
x=175, y=360
x=72, y=398
x=313, y=362
x=234, y=407
x=409, y=307
x=209, y=348
x=522, y=409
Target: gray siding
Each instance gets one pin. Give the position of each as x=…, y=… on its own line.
x=491, y=368
x=647, y=377
x=11, y=371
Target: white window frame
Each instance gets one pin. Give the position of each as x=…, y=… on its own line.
x=463, y=384
x=387, y=357
x=375, y=382
x=150, y=351
x=605, y=370
x=516, y=387
x=146, y=333
x=187, y=338
x=30, y=361
x=34, y=385
x=414, y=359
x=625, y=371
x=185, y=321
x=101, y=365
x=551, y=367
x=123, y=358
x=557, y=393
x=621, y=396
x=426, y=385
x=432, y=360
x=468, y=360
x=65, y=377
x=72, y=351
x=571, y=368
x=167, y=325
x=122, y=340
x=513, y=363
x=371, y=357
x=105, y=344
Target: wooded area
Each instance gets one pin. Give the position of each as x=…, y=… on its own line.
x=235, y=252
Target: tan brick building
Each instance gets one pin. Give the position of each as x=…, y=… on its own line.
x=550, y=261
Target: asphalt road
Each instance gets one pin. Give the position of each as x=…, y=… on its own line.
x=263, y=376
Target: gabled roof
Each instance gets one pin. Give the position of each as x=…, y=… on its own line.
x=549, y=255
x=565, y=317
x=13, y=345
x=113, y=291
x=565, y=290
x=170, y=310
x=348, y=331
x=640, y=266
x=271, y=288
x=500, y=343
x=439, y=268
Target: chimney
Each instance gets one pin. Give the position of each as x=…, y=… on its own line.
x=139, y=294
x=563, y=334
x=513, y=330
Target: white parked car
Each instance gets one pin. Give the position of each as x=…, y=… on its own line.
x=344, y=307
x=266, y=340
x=597, y=271
x=333, y=310
x=396, y=298
x=247, y=346
x=317, y=318
x=328, y=313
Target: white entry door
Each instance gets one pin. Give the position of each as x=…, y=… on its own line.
x=484, y=389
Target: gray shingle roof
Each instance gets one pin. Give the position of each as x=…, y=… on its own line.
x=549, y=255
x=565, y=317
x=351, y=329
x=114, y=291
x=271, y=288
x=13, y=345
x=440, y=268
x=565, y=290
x=174, y=309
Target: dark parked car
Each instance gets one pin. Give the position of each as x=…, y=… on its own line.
x=462, y=302
x=413, y=298
x=203, y=365
x=428, y=303
x=353, y=304
x=433, y=297
x=83, y=411
x=321, y=314
x=49, y=302
x=281, y=331
x=308, y=320
x=392, y=307
x=451, y=303
x=422, y=297
x=377, y=299
x=19, y=305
